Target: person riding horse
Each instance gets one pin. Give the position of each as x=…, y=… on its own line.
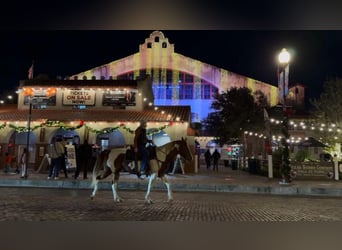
x=140, y=141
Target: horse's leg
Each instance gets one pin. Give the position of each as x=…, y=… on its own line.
x=95, y=187
x=116, y=197
x=149, y=187
x=95, y=181
x=118, y=165
x=168, y=187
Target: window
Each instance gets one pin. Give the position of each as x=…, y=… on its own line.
x=142, y=73
x=156, y=39
x=169, y=91
x=79, y=107
x=169, y=76
x=189, y=91
x=39, y=106
x=164, y=45
x=181, y=77
x=205, y=91
x=149, y=45
x=213, y=91
x=189, y=78
x=181, y=91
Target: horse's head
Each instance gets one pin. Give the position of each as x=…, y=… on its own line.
x=184, y=150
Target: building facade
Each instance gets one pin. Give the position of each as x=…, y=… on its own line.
x=177, y=79
x=104, y=112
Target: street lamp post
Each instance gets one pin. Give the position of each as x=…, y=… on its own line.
x=28, y=135
x=283, y=71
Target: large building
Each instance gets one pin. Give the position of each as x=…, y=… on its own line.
x=177, y=79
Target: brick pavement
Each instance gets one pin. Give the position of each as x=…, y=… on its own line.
x=225, y=180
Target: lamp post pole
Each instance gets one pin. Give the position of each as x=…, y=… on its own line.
x=28, y=135
x=284, y=59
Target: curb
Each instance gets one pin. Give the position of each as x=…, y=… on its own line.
x=180, y=187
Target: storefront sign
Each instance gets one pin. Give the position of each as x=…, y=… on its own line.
x=42, y=96
x=123, y=97
x=312, y=169
x=78, y=97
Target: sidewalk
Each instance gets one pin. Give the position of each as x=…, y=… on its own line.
x=225, y=180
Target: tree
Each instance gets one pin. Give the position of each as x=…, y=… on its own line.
x=236, y=111
x=328, y=108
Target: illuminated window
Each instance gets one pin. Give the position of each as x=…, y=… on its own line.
x=169, y=91
x=189, y=91
x=181, y=91
x=79, y=107
x=206, y=91
x=39, y=106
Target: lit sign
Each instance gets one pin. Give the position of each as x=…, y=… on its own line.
x=119, y=97
x=78, y=97
x=46, y=96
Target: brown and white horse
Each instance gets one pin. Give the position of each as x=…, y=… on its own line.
x=111, y=162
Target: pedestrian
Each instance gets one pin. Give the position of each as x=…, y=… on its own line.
x=23, y=158
x=60, y=148
x=84, y=157
x=55, y=162
x=63, y=157
x=216, y=156
x=207, y=157
x=8, y=162
x=140, y=141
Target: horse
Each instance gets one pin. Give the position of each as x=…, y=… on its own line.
x=112, y=161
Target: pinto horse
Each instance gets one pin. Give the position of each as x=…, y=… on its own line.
x=111, y=162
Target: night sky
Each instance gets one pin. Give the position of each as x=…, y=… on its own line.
x=63, y=41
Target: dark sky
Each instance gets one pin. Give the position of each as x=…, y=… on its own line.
x=67, y=37
x=315, y=54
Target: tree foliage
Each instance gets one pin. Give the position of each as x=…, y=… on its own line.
x=328, y=107
x=236, y=111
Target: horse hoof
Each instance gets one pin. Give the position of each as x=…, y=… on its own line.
x=149, y=202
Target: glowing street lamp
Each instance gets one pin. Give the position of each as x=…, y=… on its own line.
x=283, y=77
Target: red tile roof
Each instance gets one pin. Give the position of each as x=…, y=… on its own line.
x=68, y=115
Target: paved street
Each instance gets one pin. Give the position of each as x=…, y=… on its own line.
x=43, y=204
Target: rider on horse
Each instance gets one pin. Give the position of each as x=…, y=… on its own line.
x=140, y=141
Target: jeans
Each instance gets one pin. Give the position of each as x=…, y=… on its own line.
x=55, y=167
x=142, y=150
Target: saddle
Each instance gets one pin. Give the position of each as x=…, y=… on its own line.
x=133, y=156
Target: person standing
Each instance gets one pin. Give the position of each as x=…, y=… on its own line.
x=207, y=157
x=85, y=158
x=63, y=157
x=140, y=141
x=22, y=163
x=55, y=162
x=60, y=149
x=8, y=162
x=216, y=156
